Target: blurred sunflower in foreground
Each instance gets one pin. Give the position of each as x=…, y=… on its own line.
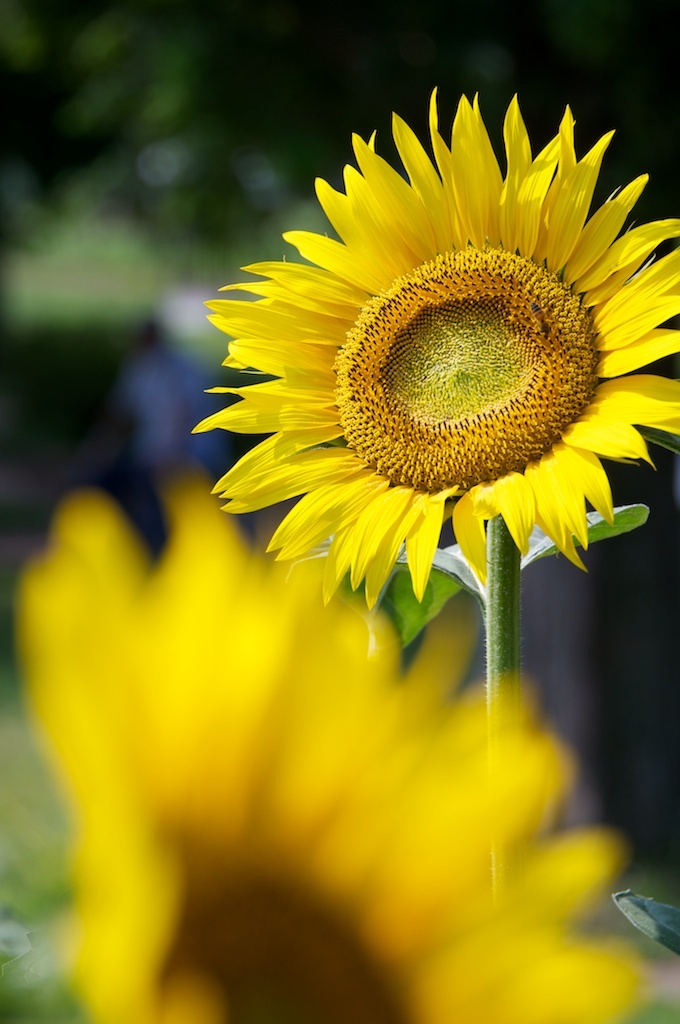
x=465, y=346
x=272, y=826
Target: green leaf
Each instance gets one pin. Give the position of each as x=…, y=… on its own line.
x=659, y=921
x=662, y=438
x=626, y=518
x=452, y=562
x=409, y=615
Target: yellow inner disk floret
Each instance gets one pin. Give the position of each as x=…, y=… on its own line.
x=466, y=369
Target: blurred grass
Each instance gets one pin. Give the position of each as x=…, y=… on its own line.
x=657, y=1013
x=84, y=271
x=35, y=890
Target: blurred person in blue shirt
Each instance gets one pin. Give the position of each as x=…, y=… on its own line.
x=144, y=433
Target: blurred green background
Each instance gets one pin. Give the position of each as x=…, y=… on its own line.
x=151, y=148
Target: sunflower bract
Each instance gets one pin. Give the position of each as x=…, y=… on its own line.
x=466, y=338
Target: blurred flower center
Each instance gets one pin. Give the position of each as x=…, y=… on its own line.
x=278, y=956
x=464, y=370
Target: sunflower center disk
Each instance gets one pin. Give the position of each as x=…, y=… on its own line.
x=454, y=361
x=468, y=368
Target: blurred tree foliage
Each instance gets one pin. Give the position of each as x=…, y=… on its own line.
x=202, y=115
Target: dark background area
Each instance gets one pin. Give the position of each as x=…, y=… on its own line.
x=200, y=127
x=194, y=116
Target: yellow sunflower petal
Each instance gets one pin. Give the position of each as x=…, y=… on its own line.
x=276, y=358
x=442, y=154
x=381, y=565
x=268, y=413
x=586, y=469
x=624, y=326
x=337, y=561
x=532, y=194
x=647, y=349
x=643, y=399
x=404, y=216
x=312, y=282
x=653, y=282
x=273, y=291
x=560, y=499
x=513, y=498
x=476, y=176
x=518, y=150
x=265, y=456
x=602, y=228
x=567, y=147
x=569, y=212
x=286, y=479
x=608, y=437
x=359, y=222
x=566, y=163
x=424, y=180
x=422, y=541
x=470, y=534
x=277, y=322
x=334, y=256
x=564, y=542
x=628, y=253
x=321, y=512
x=373, y=525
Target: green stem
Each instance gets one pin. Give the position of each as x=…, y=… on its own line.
x=502, y=617
x=503, y=683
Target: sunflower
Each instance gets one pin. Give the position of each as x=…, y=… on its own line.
x=269, y=827
x=465, y=345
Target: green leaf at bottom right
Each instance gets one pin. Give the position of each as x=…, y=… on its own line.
x=659, y=921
